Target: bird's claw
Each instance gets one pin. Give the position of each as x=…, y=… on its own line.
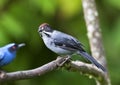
x=65, y=59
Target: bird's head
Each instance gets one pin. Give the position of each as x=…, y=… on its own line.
x=45, y=30
x=13, y=47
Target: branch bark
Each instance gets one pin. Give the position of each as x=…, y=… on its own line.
x=31, y=73
x=84, y=68
x=94, y=34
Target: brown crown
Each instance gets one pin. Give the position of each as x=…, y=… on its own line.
x=43, y=25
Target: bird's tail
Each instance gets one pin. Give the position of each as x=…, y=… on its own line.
x=92, y=60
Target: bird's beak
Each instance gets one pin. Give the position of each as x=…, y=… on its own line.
x=21, y=45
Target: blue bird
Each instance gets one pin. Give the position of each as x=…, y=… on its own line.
x=8, y=53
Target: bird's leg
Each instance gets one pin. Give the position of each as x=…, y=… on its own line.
x=66, y=58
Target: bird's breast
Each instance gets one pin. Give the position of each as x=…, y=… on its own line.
x=50, y=44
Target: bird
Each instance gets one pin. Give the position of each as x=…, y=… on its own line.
x=64, y=44
x=8, y=53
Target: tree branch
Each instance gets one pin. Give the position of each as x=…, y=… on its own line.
x=31, y=73
x=94, y=31
x=94, y=34
x=70, y=65
x=90, y=70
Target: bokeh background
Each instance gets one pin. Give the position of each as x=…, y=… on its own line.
x=19, y=22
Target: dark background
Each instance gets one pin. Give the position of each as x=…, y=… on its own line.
x=19, y=22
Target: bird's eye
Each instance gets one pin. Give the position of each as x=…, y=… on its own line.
x=14, y=47
x=42, y=28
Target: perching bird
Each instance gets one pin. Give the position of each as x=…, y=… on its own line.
x=8, y=53
x=64, y=44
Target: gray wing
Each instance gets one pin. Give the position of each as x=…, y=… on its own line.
x=67, y=42
x=1, y=56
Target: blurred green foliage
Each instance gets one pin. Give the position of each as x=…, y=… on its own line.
x=19, y=22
